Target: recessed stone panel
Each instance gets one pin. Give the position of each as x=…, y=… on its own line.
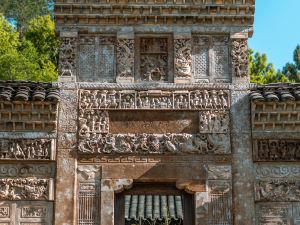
x=153, y=122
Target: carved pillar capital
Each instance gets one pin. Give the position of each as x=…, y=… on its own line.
x=116, y=185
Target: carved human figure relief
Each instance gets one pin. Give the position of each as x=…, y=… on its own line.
x=67, y=56
x=39, y=149
x=166, y=100
x=93, y=122
x=183, y=58
x=125, y=58
x=154, y=59
x=214, y=122
x=24, y=189
x=239, y=57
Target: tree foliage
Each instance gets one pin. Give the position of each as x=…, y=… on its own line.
x=20, y=12
x=26, y=58
x=292, y=70
x=263, y=72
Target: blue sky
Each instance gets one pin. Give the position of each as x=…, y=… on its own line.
x=276, y=30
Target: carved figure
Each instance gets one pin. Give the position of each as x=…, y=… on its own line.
x=183, y=58
x=125, y=57
x=240, y=58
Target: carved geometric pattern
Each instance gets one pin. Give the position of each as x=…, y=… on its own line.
x=89, y=203
x=273, y=214
x=201, y=61
x=277, y=150
x=220, y=209
x=221, y=61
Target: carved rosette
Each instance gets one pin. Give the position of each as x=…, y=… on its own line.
x=183, y=58
x=125, y=58
x=239, y=57
x=67, y=57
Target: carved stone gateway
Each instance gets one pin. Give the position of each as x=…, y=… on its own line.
x=153, y=121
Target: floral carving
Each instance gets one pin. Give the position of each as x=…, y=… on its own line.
x=125, y=58
x=183, y=58
x=4, y=212
x=155, y=144
x=240, y=58
x=67, y=56
x=24, y=189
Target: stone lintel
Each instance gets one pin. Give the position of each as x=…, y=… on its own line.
x=68, y=34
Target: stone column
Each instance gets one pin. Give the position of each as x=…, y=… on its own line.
x=108, y=189
x=182, y=57
x=125, y=57
x=65, y=212
x=67, y=57
x=242, y=165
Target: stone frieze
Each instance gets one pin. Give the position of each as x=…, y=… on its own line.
x=27, y=149
x=155, y=144
x=159, y=100
x=276, y=150
x=24, y=189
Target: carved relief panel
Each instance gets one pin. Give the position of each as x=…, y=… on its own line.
x=97, y=58
x=211, y=59
x=67, y=56
x=276, y=150
x=154, y=59
x=27, y=149
x=26, y=213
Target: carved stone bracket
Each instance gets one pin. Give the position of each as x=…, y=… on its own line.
x=239, y=58
x=116, y=185
x=125, y=60
x=191, y=186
